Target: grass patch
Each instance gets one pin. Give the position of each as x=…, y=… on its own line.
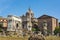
x=13, y=38
x=26, y=38
x=52, y=38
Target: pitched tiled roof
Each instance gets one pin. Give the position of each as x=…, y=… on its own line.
x=43, y=16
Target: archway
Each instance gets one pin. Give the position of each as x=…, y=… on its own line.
x=17, y=25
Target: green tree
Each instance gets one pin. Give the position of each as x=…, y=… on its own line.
x=33, y=29
x=48, y=32
x=57, y=30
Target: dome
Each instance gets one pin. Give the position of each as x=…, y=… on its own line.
x=29, y=11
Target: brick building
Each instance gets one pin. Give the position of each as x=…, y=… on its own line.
x=3, y=23
x=47, y=24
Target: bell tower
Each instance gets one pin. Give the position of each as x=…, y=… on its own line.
x=29, y=15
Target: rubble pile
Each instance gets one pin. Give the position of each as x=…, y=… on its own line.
x=36, y=37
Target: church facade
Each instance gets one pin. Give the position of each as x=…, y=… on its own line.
x=28, y=20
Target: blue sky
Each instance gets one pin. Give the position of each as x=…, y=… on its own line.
x=39, y=7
